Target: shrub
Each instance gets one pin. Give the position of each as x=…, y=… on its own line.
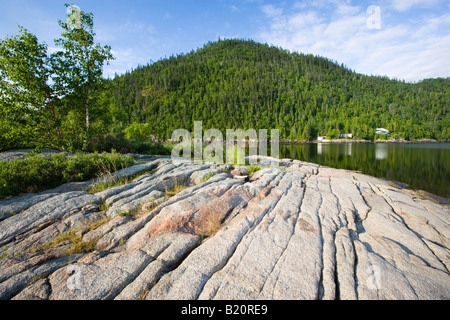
x=151, y=148
x=138, y=132
x=109, y=142
x=38, y=173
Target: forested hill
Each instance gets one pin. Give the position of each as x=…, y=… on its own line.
x=244, y=84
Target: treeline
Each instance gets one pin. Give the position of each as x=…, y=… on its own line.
x=244, y=84
x=57, y=100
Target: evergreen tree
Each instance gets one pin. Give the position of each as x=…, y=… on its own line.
x=243, y=84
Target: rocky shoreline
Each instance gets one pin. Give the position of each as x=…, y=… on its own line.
x=186, y=230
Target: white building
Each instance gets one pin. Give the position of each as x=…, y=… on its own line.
x=344, y=135
x=382, y=131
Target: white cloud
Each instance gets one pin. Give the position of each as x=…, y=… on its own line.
x=400, y=49
x=432, y=26
x=405, y=5
x=233, y=8
x=271, y=11
x=151, y=29
x=345, y=9
x=126, y=59
x=137, y=27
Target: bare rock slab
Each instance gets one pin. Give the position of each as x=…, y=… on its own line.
x=188, y=230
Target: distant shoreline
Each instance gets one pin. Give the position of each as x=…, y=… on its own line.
x=287, y=141
x=363, y=141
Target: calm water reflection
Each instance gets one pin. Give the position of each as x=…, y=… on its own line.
x=423, y=166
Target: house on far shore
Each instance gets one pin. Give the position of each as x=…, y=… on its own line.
x=322, y=139
x=382, y=131
x=344, y=135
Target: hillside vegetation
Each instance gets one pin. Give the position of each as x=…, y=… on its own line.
x=244, y=84
x=226, y=84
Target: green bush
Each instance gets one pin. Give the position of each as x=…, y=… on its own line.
x=109, y=142
x=38, y=173
x=138, y=132
x=156, y=148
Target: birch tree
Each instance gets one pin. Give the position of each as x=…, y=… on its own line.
x=39, y=89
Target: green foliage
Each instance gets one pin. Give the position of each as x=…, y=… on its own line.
x=45, y=97
x=38, y=173
x=25, y=107
x=333, y=133
x=309, y=133
x=242, y=84
x=252, y=169
x=59, y=100
x=110, y=142
x=206, y=178
x=162, y=149
x=79, y=65
x=138, y=131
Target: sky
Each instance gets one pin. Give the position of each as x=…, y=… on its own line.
x=403, y=39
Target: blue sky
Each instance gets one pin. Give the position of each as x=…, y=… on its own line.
x=409, y=39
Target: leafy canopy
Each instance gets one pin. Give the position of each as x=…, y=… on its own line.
x=45, y=97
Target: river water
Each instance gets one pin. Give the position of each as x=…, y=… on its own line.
x=424, y=166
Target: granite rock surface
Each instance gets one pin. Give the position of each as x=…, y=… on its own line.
x=191, y=231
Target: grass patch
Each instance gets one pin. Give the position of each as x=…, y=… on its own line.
x=252, y=169
x=3, y=254
x=77, y=246
x=110, y=181
x=98, y=223
x=69, y=235
x=212, y=225
x=103, y=207
x=128, y=213
x=37, y=173
x=174, y=190
x=82, y=247
x=206, y=178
